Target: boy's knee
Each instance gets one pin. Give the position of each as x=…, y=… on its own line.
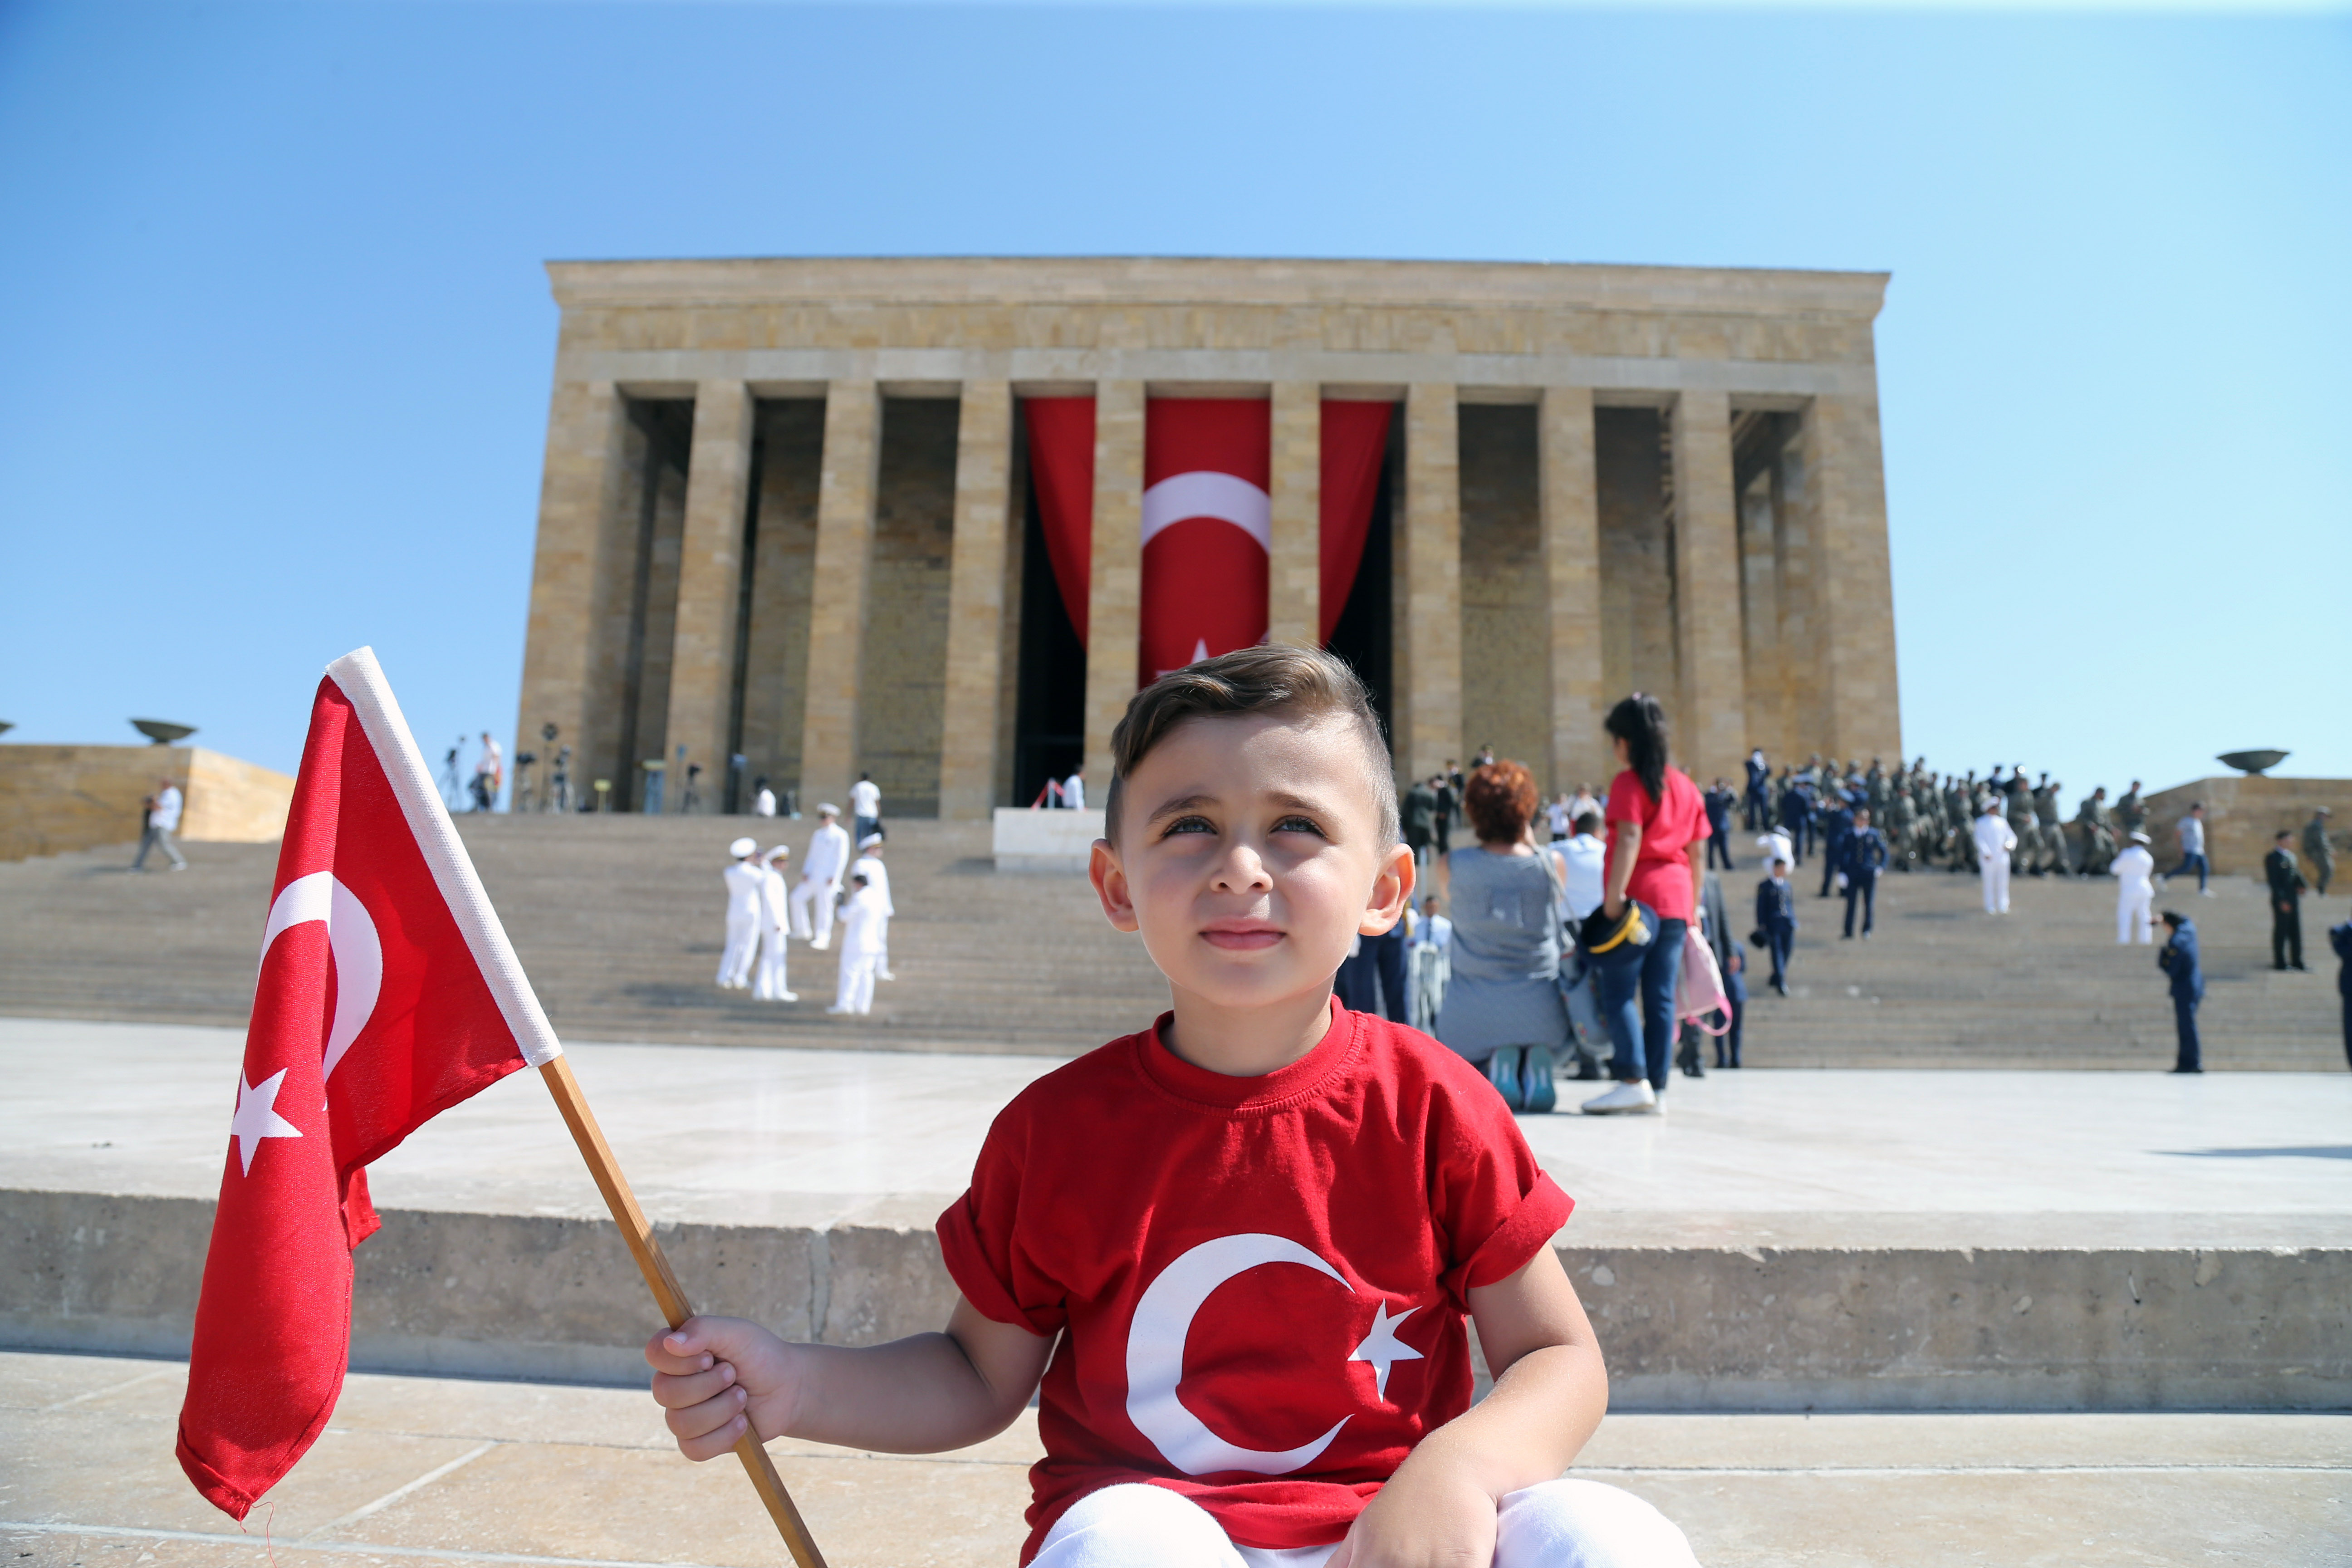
x=1574, y=1523
x=1135, y=1525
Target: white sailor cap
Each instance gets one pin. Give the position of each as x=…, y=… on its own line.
x=869, y=841
x=2139, y=837
x=826, y=808
x=742, y=848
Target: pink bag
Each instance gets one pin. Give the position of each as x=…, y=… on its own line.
x=1699, y=991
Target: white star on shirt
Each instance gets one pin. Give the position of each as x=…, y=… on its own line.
x=1384, y=1349
x=257, y=1115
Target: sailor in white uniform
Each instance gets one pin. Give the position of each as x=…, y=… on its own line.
x=1074, y=789
x=877, y=878
x=821, y=873
x=768, y=984
x=1995, y=839
x=861, y=936
x=2134, y=873
x=743, y=881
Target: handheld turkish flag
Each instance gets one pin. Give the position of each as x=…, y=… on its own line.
x=387, y=994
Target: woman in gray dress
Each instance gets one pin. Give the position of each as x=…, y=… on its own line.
x=1503, y=1007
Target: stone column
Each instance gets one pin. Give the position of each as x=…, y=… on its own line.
x=976, y=576
x=1570, y=495
x=1115, y=586
x=1759, y=588
x=709, y=592
x=1846, y=487
x=571, y=593
x=1293, y=577
x=844, y=564
x=1710, y=727
x=1433, y=510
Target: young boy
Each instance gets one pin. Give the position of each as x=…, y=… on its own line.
x=1776, y=917
x=1254, y=1227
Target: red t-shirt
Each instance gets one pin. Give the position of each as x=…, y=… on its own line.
x=1662, y=877
x=1263, y=1280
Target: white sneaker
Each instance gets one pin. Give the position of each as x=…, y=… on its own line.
x=2204, y=892
x=1635, y=1098
x=788, y=995
x=884, y=974
x=821, y=943
x=841, y=1009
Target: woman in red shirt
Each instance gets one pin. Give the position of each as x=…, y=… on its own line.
x=1657, y=844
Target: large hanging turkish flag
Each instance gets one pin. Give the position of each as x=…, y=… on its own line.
x=1206, y=515
x=387, y=994
x=1207, y=528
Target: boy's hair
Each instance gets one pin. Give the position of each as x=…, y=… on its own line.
x=1499, y=800
x=1305, y=683
x=1589, y=822
x=1779, y=864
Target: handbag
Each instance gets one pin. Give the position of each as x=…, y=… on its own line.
x=1698, y=990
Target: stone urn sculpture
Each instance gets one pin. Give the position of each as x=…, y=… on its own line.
x=2252, y=764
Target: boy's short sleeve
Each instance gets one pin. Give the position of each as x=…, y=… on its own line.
x=1496, y=1206
x=979, y=1242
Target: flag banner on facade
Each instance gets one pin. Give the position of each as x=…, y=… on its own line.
x=1207, y=515
x=387, y=992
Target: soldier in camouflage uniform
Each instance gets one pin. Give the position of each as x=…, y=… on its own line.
x=2131, y=813
x=2096, y=827
x=2016, y=806
x=2054, y=833
x=1902, y=821
x=2321, y=853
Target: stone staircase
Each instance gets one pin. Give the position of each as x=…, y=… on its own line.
x=618, y=921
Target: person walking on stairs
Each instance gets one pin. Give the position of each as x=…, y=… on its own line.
x=861, y=950
x=744, y=880
x=2177, y=959
x=1776, y=920
x=2134, y=871
x=775, y=918
x=2192, y=849
x=1865, y=857
x=821, y=874
x=163, y=821
x=2287, y=881
x=1994, y=839
x=864, y=807
x=878, y=882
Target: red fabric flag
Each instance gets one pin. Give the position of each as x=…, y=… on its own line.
x=1207, y=528
x=1206, y=580
x=387, y=994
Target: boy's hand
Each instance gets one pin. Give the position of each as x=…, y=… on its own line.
x=718, y=1378
x=1430, y=1516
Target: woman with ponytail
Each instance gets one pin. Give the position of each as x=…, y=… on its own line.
x=1657, y=834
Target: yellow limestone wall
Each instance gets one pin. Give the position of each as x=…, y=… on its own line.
x=57, y=799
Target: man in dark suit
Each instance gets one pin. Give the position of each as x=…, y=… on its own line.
x=1759, y=796
x=1776, y=917
x=1837, y=826
x=1719, y=801
x=1797, y=818
x=2177, y=959
x=1448, y=791
x=2287, y=902
x=1865, y=857
x=1420, y=820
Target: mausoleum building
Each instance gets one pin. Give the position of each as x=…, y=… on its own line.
x=934, y=518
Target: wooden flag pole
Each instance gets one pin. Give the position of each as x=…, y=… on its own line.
x=668, y=1292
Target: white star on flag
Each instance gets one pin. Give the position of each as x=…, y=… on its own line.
x=257, y=1115
x=1384, y=1349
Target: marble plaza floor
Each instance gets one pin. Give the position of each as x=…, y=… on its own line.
x=425, y=1469
x=749, y=1136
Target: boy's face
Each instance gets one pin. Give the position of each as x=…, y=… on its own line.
x=1248, y=856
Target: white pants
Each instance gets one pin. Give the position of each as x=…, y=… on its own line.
x=1559, y=1524
x=2132, y=907
x=854, y=994
x=1995, y=872
x=811, y=904
x=768, y=979
x=742, y=935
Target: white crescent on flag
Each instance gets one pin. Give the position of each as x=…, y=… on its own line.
x=351, y=937
x=1204, y=492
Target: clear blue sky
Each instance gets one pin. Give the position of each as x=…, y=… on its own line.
x=277, y=341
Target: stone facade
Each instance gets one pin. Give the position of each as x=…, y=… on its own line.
x=57, y=799
x=786, y=513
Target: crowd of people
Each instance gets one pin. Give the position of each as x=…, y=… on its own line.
x=835, y=894
x=1539, y=963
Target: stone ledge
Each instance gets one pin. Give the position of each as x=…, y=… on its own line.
x=1691, y=1327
